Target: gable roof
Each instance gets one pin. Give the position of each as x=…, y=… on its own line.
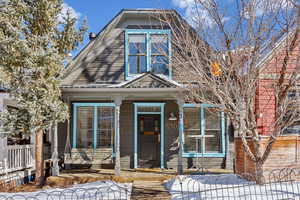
x=74, y=69
x=145, y=80
x=268, y=53
x=149, y=80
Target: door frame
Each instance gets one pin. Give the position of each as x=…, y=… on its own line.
x=162, y=127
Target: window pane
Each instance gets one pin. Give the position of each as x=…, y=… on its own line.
x=105, y=123
x=137, y=44
x=293, y=129
x=148, y=109
x=159, y=45
x=212, y=131
x=293, y=106
x=137, y=64
x=159, y=65
x=191, y=129
x=85, y=127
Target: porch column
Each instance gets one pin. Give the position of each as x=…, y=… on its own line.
x=180, y=103
x=3, y=136
x=118, y=102
x=55, y=167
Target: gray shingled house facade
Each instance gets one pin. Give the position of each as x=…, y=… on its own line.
x=120, y=85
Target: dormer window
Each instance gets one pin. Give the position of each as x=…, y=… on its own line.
x=147, y=51
x=137, y=55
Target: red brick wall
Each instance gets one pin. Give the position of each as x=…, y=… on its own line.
x=265, y=99
x=265, y=106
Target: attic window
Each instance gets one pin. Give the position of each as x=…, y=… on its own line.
x=137, y=57
x=147, y=51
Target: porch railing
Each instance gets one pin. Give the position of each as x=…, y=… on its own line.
x=19, y=157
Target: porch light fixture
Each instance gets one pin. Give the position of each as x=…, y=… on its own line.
x=172, y=117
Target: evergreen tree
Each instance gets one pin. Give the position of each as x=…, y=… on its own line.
x=35, y=40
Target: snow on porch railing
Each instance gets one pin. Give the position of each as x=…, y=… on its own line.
x=19, y=157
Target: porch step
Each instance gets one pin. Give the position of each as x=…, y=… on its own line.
x=149, y=190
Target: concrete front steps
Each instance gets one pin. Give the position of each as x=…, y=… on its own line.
x=149, y=190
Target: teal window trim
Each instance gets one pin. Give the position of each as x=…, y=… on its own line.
x=206, y=155
x=95, y=106
x=162, y=126
x=149, y=113
x=148, y=33
x=202, y=128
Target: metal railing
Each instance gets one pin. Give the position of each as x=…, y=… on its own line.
x=280, y=184
x=106, y=190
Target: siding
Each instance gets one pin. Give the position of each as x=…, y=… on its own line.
x=105, y=62
x=126, y=134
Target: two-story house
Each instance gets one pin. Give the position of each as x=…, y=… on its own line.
x=122, y=84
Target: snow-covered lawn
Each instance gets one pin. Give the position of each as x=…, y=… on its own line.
x=95, y=190
x=230, y=187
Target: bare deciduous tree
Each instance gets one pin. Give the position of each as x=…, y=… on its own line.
x=222, y=57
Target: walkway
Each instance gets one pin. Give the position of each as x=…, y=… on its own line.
x=149, y=190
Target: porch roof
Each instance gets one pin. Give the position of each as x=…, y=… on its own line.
x=144, y=81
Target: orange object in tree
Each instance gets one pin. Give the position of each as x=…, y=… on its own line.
x=216, y=69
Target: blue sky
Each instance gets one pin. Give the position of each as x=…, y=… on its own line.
x=100, y=12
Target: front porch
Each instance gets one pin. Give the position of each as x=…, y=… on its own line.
x=148, y=139
x=149, y=132
x=147, y=120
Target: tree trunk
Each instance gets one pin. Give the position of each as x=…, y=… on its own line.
x=259, y=176
x=55, y=167
x=39, y=159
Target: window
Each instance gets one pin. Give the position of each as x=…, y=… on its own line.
x=203, y=131
x=93, y=125
x=85, y=127
x=137, y=57
x=147, y=51
x=159, y=54
x=294, y=98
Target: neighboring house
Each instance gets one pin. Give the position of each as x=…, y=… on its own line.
x=285, y=151
x=265, y=98
x=16, y=154
x=121, y=83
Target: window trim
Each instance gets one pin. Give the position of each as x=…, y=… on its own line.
x=162, y=129
x=95, y=106
x=296, y=91
x=147, y=32
x=202, y=128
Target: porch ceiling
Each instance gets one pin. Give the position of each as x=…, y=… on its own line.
x=126, y=93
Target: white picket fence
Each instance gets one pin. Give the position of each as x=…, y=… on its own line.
x=19, y=157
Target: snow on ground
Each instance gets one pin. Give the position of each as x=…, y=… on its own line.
x=230, y=187
x=94, y=190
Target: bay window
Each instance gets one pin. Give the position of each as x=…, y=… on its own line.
x=147, y=51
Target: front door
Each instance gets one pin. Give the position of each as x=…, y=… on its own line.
x=149, y=126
